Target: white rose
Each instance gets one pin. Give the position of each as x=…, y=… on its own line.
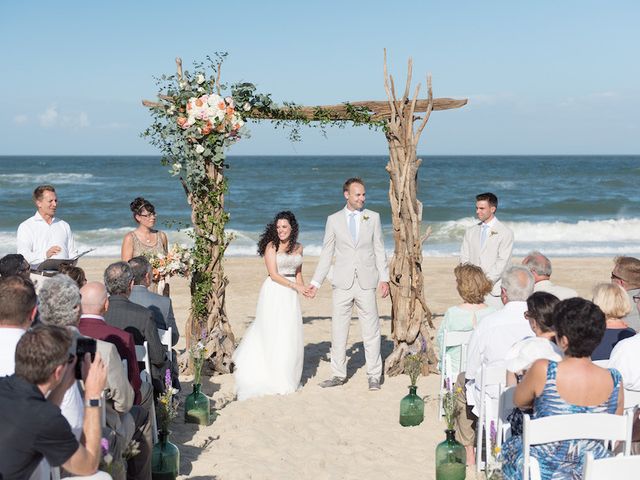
x=246, y=107
x=183, y=84
x=200, y=90
x=199, y=149
x=200, y=79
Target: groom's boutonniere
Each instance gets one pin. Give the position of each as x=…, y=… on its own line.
x=492, y=233
x=365, y=218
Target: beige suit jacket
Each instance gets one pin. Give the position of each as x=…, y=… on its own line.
x=118, y=390
x=495, y=255
x=365, y=260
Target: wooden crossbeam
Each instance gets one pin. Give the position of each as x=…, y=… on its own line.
x=379, y=109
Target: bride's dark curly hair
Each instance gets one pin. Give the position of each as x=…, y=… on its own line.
x=271, y=233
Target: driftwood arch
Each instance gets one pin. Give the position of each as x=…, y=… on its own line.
x=412, y=327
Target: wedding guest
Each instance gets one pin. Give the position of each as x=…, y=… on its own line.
x=33, y=427
x=626, y=273
x=135, y=319
x=573, y=385
x=160, y=307
x=95, y=302
x=472, y=285
x=488, y=345
x=540, y=267
x=60, y=306
x=522, y=354
x=17, y=311
x=75, y=273
x=14, y=264
x=488, y=244
x=614, y=303
x=44, y=235
x=145, y=239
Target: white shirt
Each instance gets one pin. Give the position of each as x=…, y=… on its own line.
x=561, y=292
x=357, y=218
x=36, y=236
x=8, y=341
x=625, y=357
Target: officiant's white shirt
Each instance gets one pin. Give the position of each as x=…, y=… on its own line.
x=36, y=236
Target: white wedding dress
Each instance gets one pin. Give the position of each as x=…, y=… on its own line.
x=269, y=358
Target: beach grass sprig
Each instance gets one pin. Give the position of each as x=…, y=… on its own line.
x=413, y=366
x=450, y=406
x=167, y=404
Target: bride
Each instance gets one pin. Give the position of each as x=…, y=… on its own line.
x=269, y=358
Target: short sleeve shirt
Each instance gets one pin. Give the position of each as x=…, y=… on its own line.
x=32, y=428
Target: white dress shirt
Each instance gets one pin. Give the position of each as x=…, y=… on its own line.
x=625, y=357
x=9, y=338
x=36, y=236
x=561, y=292
x=489, y=344
x=357, y=217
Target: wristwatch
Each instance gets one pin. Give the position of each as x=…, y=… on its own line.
x=93, y=402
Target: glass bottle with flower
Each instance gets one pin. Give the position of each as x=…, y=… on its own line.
x=165, y=457
x=451, y=457
x=412, y=405
x=197, y=405
x=493, y=469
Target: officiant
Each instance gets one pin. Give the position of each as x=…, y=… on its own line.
x=44, y=236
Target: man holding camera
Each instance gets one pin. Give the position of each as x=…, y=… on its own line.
x=32, y=426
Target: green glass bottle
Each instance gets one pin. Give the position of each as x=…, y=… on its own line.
x=451, y=458
x=165, y=459
x=196, y=407
x=411, y=408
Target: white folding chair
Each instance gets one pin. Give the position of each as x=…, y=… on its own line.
x=142, y=355
x=451, y=339
x=490, y=376
x=505, y=407
x=556, y=428
x=613, y=467
x=631, y=398
x=165, y=339
x=601, y=363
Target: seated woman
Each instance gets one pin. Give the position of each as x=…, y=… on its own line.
x=145, y=239
x=472, y=285
x=614, y=303
x=573, y=385
x=539, y=313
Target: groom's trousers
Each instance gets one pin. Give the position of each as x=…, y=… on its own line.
x=365, y=302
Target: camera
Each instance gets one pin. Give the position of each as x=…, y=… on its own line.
x=84, y=345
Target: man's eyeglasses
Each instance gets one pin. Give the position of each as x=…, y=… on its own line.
x=71, y=357
x=636, y=298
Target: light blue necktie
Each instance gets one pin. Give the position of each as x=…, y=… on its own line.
x=483, y=234
x=352, y=227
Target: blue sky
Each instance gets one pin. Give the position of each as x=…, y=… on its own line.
x=542, y=77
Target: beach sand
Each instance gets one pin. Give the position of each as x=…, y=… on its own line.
x=344, y=432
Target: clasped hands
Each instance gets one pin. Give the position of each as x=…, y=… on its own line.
x=311, y=290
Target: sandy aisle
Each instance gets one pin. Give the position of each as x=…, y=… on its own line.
x=342, y=433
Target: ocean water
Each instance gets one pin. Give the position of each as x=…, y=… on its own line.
x=561, y=205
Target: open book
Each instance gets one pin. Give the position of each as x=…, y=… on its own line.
x=54, y=263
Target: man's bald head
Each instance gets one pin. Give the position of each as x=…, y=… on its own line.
x=95, y=300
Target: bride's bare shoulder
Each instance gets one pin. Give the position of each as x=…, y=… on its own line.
x=298, y=249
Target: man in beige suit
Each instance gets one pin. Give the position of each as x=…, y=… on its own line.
x=353, y=236
x=488, y=244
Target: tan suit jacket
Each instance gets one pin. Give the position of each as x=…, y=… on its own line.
x=365, y=260
x=495, y=255
x=118, y=391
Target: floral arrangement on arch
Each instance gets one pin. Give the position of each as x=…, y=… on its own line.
x=177, y=261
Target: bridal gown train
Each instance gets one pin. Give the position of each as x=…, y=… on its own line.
x=269, y=358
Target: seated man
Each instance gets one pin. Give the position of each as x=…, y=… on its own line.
x=95, y=303
x=17, y=310
x=60, y=306
x=489, y=345
x=32, y=426
x=159, y=305
x=540, y=267
x=134, y=319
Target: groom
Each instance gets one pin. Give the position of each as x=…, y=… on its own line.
x=354, y=236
